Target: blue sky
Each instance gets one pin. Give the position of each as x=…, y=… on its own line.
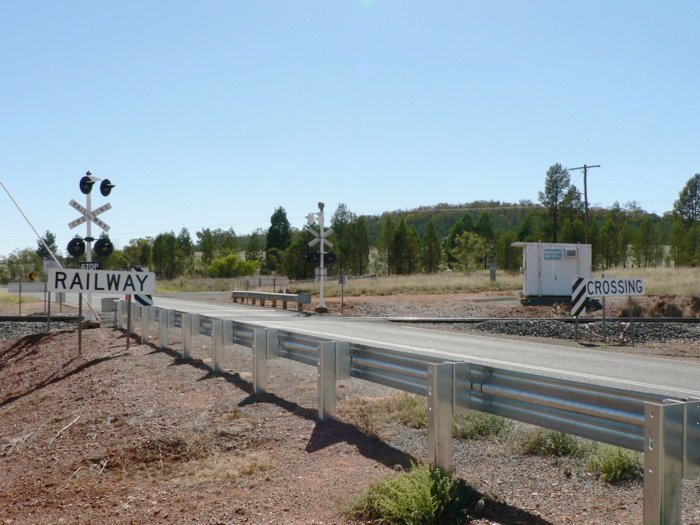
x=212, y=114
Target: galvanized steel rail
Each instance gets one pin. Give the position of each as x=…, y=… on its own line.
x=666, y=430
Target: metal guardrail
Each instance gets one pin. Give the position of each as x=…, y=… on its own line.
x=300, y=298
x=666, y=430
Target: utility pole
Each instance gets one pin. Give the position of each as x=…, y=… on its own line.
x=585, y=197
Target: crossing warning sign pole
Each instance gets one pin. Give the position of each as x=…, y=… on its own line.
x=578, y=301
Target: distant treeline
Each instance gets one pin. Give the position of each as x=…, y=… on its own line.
x=429, y=239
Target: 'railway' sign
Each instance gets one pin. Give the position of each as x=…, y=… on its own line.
x=101, y=281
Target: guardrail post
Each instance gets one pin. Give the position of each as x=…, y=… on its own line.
x=146, y=314
x=120, y=315
x=131, y=326
x=163, y=325
x=691, y=452
x=217, y=337
x=260, y=361
x=327, y=375
x=440, y=401
x=186, y=336
x=663, y=462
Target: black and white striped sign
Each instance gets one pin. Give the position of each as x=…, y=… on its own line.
x=142, y=299
x=578, y=297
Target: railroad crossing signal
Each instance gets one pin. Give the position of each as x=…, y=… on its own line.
x=89, y=215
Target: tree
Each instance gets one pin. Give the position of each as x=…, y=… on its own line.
x=360, y=246
x=207, y=245
x=432, y=251
x=646, y=245
x=279, y=237
x=527, y=230
x=464, y=224
x=572, y=220
x=469, y=251
x=295, y=262
x=508, y=257
x=384, y=245
x=21, y=262
x=165, y=255
x=556, y=185
x=50, y=240
x=254, y=246
x=687, y=207
x=685, y=232
x=341, y=222
x=279, y=234
x=185, y=252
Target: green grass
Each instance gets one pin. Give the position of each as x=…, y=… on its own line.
x=542, y=442
x=479, y=425
x=423, y=496
x=614, y=464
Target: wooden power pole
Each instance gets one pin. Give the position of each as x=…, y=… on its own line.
x=585, y=197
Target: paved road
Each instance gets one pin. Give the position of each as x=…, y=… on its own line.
x=672, y=377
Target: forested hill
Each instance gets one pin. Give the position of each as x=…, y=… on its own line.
x=505, y=216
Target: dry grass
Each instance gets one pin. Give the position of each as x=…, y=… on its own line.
x=659, y=281
x=370, y=414
x=12, y=298
x=662, y=281
x=446, y=282
x=227, y=466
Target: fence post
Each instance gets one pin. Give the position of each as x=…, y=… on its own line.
x=163, y=325
x=217, y=337
x=440, y=401
x=327, y=375
x=260, y=361
x=663, y=462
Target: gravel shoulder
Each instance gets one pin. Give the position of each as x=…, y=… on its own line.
x=140, y=436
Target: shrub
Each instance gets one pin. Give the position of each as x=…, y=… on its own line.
x=232, y=266
x=479, y=425
x=614, y=464
x=423, y=496
x=551, y=443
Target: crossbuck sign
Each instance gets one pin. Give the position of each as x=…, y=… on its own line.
x=89, y=215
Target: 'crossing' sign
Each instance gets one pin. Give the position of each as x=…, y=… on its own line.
x=582, y=289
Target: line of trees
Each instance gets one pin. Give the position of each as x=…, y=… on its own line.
x=427, y=240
